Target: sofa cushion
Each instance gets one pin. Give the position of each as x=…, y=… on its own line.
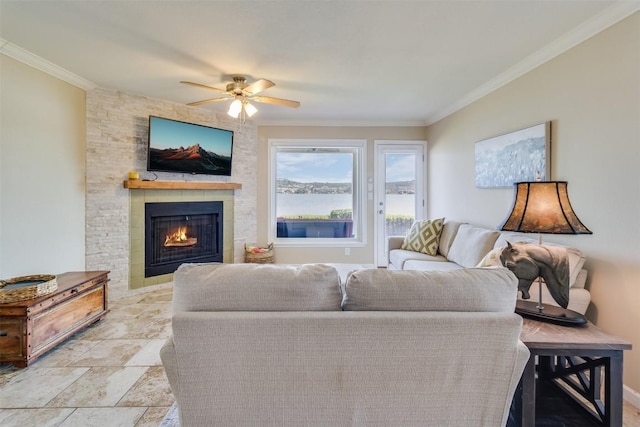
x=424, y=237
x=448, y=234
x=256, y=287
x=416, y=265
x=513, y=237
x=474, y=289
x=471, y=244
x=492, y=258
x=398, y=257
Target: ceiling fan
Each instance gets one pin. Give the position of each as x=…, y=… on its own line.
x=242, y=93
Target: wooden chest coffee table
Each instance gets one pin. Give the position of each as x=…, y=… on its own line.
x=30, y=328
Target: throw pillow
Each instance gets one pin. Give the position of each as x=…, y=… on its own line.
x=424, y=237
x=471, y=245
x=492, y=259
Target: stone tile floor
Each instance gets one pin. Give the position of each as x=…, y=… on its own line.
x=107, y=375
x=110, y=374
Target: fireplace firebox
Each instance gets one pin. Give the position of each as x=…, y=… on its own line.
x=179, y=232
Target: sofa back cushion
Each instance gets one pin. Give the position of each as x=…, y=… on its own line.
x=471, y=244
x=447, y=235
x=256, y=287
x=514, y=237
x=473, y=289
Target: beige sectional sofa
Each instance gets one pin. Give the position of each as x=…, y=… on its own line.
x=277, y=345
x=464, y=245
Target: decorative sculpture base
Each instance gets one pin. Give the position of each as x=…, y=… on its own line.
x=550, y=313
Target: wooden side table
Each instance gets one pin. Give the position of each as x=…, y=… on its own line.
x=30, y=328
x=573, y=358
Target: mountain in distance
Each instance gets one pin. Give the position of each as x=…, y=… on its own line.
x=285, y=185
x=401, y=187
x=193, y=159
x=289, y=186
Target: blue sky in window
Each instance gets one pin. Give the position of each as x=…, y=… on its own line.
x=401, y=167
x=315, y=167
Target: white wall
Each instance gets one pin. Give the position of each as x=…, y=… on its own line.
x=42, y=172
x=591, y=94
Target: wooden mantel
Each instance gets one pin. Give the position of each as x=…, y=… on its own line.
x=136, y=184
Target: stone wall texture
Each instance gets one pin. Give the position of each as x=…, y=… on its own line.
x=117, y=138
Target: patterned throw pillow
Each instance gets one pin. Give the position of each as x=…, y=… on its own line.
x=424, y=236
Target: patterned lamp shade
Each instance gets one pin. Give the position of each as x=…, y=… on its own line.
x=543, y=207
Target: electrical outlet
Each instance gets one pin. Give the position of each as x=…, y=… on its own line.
x=347, y=251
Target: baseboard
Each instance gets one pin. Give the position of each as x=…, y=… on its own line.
x=631, y=396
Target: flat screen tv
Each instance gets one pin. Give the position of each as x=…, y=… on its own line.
x=176, y=146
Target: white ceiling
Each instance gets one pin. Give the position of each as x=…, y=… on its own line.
x=347, y=62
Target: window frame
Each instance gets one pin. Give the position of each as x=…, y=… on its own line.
x=359, y=148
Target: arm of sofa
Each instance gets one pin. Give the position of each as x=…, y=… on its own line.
x=170, y=363
x=394, y=242
x=522, y=357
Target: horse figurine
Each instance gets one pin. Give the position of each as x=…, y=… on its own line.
x=529, y=261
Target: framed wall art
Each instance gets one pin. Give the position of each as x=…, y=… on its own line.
x=523, y=155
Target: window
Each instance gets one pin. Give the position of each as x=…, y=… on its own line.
x=316, y=189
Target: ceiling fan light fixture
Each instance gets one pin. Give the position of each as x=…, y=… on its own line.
x=250, y=109
x=241, y=93
x=235, y=108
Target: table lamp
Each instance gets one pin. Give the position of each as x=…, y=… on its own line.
x=544, y=207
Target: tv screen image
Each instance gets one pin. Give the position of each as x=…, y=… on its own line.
x=176, y=146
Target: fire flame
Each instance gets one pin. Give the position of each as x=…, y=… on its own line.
x=179, y=238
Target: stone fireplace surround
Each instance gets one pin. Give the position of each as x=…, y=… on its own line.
x=116, y=129
x=138, y=198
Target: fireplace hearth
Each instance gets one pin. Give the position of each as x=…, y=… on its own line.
x=180, y=232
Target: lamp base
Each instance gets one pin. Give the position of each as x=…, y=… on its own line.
x=550, y=313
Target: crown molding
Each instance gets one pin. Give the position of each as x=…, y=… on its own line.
x=586, y=30
x=19, y=54
x=339, y=123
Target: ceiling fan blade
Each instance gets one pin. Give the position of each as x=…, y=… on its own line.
x=207, y=101
x=276, y=101
x=215, y=89
x=258, y=86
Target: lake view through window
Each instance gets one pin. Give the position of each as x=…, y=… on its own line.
x=317, y=190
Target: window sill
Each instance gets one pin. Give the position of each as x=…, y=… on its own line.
x=315, y=242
